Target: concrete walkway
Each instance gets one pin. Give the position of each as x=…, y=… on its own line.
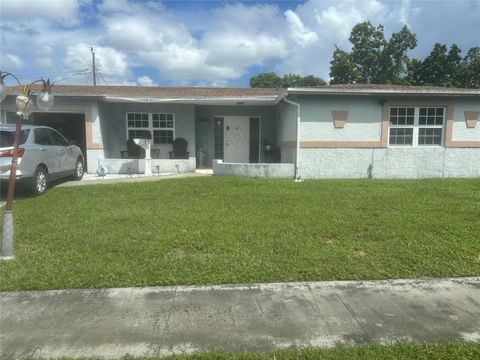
x=165, y=320
x=93, y=179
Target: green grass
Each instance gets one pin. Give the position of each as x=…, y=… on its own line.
x=440, y=351
x=213, y=230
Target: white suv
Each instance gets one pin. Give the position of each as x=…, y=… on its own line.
x=43, y=155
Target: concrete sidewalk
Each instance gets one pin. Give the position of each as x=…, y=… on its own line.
x=93, y=179
x=165, y=320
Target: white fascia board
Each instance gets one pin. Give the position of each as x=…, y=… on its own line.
x=344, y=91
x=196, y=100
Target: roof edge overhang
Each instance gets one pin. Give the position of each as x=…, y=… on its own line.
x=241, y=100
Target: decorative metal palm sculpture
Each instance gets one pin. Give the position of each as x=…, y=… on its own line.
x=24, y=106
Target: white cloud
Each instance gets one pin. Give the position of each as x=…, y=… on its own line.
x=143, y=32
x=146, y=81
x=11, y=61
x=176, y=62
x=112, y=65
x=64, y=11
x=213, y=44
x=242, y=36
x=299, y=32
x=43, y=58
x=129, y=7
x=332, y=22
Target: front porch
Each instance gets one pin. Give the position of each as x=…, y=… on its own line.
x=235, y=135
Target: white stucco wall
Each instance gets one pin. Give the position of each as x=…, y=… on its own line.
x=286, y=127
x=363, y=121
x=113, y=126
x=460, y=131
x=273, y=171
x=96, y=129
x=385, y=163
x=364, y=124
x=137, y=166
x=94, y=156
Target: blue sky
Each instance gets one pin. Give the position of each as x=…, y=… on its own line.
x=208, y=43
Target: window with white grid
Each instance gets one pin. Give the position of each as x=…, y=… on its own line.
x=136, y=122
x=416, y=126
x=160, y=125
x=163, y=126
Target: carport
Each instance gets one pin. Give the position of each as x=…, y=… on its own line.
x=70, y=125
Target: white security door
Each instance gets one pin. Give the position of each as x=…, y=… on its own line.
x=237, y=139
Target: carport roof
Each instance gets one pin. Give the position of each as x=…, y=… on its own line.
x=194, y=95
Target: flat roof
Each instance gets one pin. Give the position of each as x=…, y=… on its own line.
x=380, y=89
x=207, y=95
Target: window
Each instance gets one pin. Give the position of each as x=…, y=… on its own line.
x=42, y=137
x=58, y=140
x=7, y=137
x=416, y=126
x=218, y=137
x=161, y=126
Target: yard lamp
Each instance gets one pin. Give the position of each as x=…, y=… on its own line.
x=24, y=106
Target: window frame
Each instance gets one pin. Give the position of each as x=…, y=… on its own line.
x=416, y=126
x=150, y=127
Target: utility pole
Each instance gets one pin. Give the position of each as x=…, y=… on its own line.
x=94, y=68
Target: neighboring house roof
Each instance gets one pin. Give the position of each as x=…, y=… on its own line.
x=380, y=89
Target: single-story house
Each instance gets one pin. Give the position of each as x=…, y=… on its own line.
x=338, y=131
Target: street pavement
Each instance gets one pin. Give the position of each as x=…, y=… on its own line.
x=160, y=321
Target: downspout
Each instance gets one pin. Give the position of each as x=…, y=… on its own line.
x=297, y=155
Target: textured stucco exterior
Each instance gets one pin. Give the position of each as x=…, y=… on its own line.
x=361, y=150
x=363, y=120
x=406, y=163
x=204, y=123
x=287, y=131
x=114, y=126
x=275, y=171
x=460, y=131
x=137, y=166
x=354, y=147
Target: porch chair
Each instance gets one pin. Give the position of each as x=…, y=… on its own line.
x=135, y=151
x=179, y=149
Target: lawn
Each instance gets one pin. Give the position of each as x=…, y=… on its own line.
x=213, y=230
x=440, y=351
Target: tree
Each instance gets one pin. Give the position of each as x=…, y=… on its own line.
x=414, y=70
x=272, y=80
x=266, y=80
x=439, y=67
x=442, y=68
x=342, y=69
x=394, y=59
x=368, y=43
x=373, y=59
x=469, y=70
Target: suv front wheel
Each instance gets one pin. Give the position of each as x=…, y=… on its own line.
x=78, y=173
x=40, y=181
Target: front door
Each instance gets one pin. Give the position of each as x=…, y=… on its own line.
x=237, y=139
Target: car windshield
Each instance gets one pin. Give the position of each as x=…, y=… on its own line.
x=7, y=137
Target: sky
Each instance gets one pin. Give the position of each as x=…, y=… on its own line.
x=208, y=43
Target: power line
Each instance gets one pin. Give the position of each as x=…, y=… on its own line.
x=101, y=75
